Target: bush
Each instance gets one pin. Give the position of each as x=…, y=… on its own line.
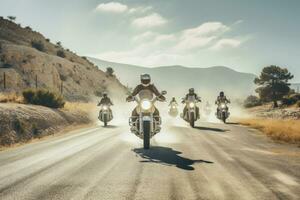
x=110, y=71
x=44, y=98
x=252, y=101
x=61, y=53
x=48, y=40
x=291, y=99
x=38, y=45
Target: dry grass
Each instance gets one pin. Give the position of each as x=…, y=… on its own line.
x=282, y=130
x=79, y=106
x=11, y=97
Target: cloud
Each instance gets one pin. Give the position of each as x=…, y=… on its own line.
x=114, y=7
x=140, y=9
x=154, y=49
x=149, y=21
x=225, y=43
x=200, y=36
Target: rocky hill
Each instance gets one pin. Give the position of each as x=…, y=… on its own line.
x=27, y=56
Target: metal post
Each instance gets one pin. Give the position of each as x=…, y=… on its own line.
x=36, y=81
x=4, y=80
x=61, y=87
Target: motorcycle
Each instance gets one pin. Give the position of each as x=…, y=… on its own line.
x=146, y=125
x=191, y=113
x=105, y=114
x=222, y=112
x=173, y=111
x=207, y=110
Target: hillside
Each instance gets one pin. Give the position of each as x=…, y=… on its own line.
x=177, y=79
x=26, y=55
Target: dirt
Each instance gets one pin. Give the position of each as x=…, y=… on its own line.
x=21, y=123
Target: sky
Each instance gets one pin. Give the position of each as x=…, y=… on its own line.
x=241, y=34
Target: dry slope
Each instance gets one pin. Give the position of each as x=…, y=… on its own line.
x=52, y=64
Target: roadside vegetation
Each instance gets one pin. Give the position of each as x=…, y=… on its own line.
x=281, y=130
x=276, y=108
x=43, y=98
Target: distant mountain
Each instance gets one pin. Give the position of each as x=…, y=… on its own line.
x=26, y=54
x=178, y=79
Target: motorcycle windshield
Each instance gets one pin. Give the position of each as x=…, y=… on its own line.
x=146, y=94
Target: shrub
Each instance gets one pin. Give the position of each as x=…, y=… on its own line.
x=7, y=65
x=38, y=45
x=48, y=40
x=44, y=98
x=110, y=71
x=61, y=53
x=291, y=99
x=252, y=101
x=28, y=28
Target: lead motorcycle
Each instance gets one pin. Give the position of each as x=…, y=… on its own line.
x=105, y=114
x=145, y=126
x=222, y=112
x=191, y=114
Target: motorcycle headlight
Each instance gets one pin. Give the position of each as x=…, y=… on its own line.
x=173, y=107
x=104, y=107
x=146, y=104
x=192, y=105
x=223, y=106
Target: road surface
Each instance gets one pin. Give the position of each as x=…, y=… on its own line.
x=212, y=161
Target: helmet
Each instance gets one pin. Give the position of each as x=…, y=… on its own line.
x=173, y=98
x=191, y=90
x=222, y=94
x=145, y=79
x=104, y=94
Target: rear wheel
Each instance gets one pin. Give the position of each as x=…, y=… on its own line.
x=146, y=126
x=192, y=120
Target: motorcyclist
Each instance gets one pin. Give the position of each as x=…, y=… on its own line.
x=222, y=99
x=189, y=95
x=173, y=102
x=145, y=86
x=105, y=100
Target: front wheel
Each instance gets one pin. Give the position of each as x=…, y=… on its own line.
x=224, y=117
x=146, y=132
x=192, y=120
x=105, y=120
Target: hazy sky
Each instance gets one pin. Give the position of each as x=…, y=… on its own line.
x=242, y=34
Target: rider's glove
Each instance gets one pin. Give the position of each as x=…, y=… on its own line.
x=129, y=98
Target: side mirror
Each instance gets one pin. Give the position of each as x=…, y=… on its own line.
x=164, y=92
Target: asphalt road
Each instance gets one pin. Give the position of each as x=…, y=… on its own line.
x=212, y=161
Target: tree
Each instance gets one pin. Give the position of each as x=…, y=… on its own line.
x=110, y=71
x=273, y=82
x=12, y=18
x=58, y=44
x=252, y=101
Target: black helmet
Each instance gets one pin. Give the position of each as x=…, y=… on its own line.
x=104, y=94
x=191, y=90
x=173, y=98
x=145, y=79
x=222, y=94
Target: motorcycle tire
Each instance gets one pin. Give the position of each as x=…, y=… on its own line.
x=224, y=117
x=146, y=132
x=192, y=120
x=105, y=120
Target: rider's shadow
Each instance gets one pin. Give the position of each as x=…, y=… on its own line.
x=167, y=156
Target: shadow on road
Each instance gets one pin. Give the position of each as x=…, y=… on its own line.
x=210, y=129
x=232, y=123
x=167, y=156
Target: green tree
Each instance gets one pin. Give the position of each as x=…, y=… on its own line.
x=12, y=18
x=110, y=71
x=273, y=82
